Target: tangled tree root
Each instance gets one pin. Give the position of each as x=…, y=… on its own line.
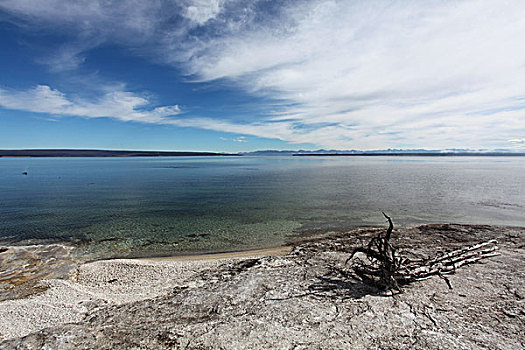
x=386, y=270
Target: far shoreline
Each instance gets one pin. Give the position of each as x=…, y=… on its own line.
x=95, y=153
x=101, y=153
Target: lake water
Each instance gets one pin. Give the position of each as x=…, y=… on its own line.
x=164, y=206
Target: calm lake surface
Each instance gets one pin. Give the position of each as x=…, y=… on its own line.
x=163, y=206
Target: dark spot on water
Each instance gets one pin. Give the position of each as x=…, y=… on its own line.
x=113, y=280
x=24, y=173
x=180, y=167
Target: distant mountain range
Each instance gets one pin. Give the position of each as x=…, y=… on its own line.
x=388, y=152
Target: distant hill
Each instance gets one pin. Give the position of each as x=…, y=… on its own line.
x=100, y=153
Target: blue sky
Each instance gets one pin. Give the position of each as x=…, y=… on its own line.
x=232, y=75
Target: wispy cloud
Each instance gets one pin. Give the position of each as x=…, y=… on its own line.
x=343, y=74
x=518, y=143
x=116, y=103
x=237, y=139
x=86, y=24
x=433, y=73
x=121, y=105
x=201, y=11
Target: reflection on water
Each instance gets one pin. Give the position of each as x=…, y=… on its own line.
x=161, y=206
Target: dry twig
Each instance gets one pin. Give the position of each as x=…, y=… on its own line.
x=386, y=270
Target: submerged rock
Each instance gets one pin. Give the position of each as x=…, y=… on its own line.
x=23, y=267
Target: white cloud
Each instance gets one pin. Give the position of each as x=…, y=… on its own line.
x=344, y=74
x=201, y=11
x=65, y=59
x=112, y=18
x=517, y=143
x=122, y=105
x=435, y=73
x=240, y=139
x=237, y=139
x=125, y=106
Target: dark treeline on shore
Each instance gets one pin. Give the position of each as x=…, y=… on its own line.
x=99, y=153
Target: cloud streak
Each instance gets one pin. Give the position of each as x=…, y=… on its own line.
x=342, y=74
x=121, y=105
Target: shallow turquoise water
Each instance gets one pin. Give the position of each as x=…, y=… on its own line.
x=161, y=206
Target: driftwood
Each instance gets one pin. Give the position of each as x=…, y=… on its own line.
x=386, y=269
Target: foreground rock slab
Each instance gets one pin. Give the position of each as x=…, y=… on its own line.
x=310, y=300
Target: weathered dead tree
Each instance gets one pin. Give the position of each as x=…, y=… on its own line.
x=386, y=269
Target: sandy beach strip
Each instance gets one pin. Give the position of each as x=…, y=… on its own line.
x=277, y=251
x=118, y=281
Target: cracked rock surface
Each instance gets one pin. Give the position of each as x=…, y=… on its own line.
x=310, y=300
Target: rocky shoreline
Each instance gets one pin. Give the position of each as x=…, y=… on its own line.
x=307, y=299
